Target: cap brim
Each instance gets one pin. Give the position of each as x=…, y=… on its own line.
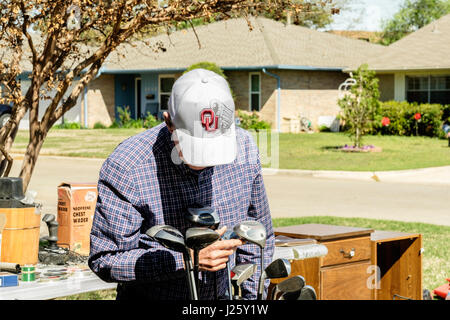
x=207, y=152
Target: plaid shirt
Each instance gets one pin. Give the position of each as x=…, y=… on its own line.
x=140, y=186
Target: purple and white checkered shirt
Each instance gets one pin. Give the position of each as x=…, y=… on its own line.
x=140, y=186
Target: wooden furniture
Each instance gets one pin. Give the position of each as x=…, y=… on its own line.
x=341, y=274
x=398, y=256
x=361, y=264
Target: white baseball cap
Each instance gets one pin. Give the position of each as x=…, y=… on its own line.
x=202, y=110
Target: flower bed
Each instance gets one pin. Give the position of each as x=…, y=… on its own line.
x=368, y=148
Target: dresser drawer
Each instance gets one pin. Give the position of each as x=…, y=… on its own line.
x=349, y=250
x=347, y=282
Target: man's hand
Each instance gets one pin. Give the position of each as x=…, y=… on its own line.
x=215, y=256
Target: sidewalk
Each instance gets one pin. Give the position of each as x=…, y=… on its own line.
x=429, y=176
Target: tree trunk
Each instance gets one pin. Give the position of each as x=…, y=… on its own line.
x=8, y=135
x=30, y=157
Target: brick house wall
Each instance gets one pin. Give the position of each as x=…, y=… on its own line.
x=100, y=97
x=309, y=94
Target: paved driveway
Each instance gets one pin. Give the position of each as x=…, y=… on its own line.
x=289, y=195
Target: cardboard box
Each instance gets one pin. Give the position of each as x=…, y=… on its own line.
x=76, y=208
x=2, y=225
x=8, y=279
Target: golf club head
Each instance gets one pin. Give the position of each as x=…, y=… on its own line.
x=295, y=283
x=168, y=237
x=307, y=293
x=203, y=217
x=279, y=268
x=252, y=231
x=199, y=238
x=289, y=288
x=291, y=285
x=242, y=272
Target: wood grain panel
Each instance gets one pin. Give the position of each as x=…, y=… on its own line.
x=400, y=265
x=348, y=282
x=20, y=236
x=322, y=232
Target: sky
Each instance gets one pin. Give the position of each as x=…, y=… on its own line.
x=368, y=13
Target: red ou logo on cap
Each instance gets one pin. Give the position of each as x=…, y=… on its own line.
x=209, y=120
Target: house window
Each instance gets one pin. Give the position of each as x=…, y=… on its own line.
x=255, y=92
x=165, y=88
x=429, y=89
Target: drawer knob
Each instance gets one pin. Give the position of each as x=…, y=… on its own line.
x=349, y=254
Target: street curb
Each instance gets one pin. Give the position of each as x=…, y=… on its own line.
x=360, y=175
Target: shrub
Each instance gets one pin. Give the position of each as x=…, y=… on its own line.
x=403, y=121
x=124, y=115
x=114, y=125
x=211, y=66
x=68, y=125
x=150, y=121
x=99, y=125
x=252, y=121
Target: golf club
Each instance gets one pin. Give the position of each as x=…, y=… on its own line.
x=254, y=232
x=197, y=239
x=279, y=268
x=239, y=274
x=172, y=239
x=207, y=217
x=306, y=293
x=203, y=217
x=292, y=284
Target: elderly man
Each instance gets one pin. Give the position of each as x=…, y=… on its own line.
x=197, y=157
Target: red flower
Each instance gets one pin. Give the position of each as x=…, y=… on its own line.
x=385, y=121
x=417, y=116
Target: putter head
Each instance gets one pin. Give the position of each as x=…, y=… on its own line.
x=252, y=231
x=242, y=272
x=203, y=217
x=279, y=268
x=199, y=238
x=168, y=237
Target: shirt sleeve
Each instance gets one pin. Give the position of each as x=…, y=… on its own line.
x=251, y=253
x=120, y=251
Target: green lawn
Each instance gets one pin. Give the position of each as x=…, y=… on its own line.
x=318, y=152
x=436, y=240
x=296, y=151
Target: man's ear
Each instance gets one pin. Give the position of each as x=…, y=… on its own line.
x=168, y=121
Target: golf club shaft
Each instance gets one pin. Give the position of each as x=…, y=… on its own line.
x=196, y=267
x=261, y=278
x=230, y=291
x=190, y=277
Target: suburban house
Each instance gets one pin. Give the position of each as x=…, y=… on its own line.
x=417, y=67
x=309, y=65
x=281, y=71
